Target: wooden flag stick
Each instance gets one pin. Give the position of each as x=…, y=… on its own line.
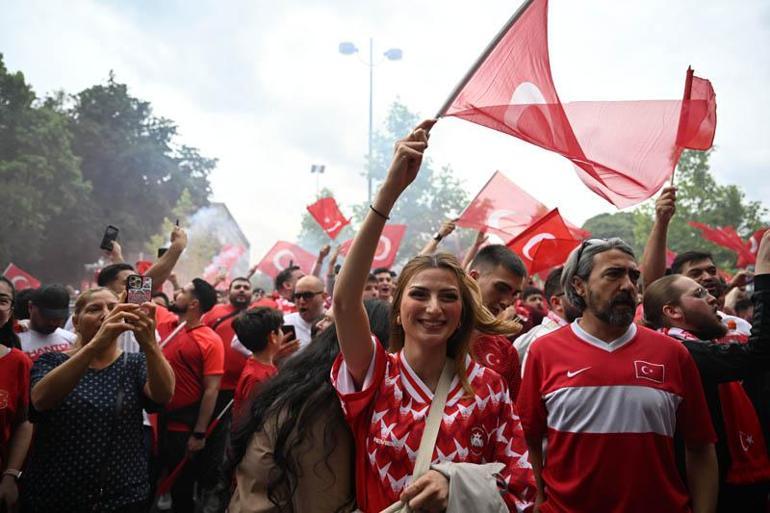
x=684, y=111
x=488, y=50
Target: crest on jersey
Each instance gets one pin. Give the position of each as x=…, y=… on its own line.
x=477, y=440
x=650, y=371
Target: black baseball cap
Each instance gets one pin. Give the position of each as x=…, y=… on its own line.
x=53, y=301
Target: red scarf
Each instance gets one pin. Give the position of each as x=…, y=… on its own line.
x=748, y=455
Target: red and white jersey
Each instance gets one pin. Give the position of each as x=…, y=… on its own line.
x=387, y=417
x=284, y=305
x=609, y=412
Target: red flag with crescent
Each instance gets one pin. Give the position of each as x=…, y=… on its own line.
x=501, y=207
x=623, y=151
x=387, y=247
x=545, y=244
x=328, y=215
x=20, y=278
x=282, y=255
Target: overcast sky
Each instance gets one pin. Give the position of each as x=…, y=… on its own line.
x=261, y=86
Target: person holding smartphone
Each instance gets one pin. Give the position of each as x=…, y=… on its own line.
x=87, y=405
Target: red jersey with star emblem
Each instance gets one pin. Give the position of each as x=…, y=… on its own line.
x=387, y=417
x=609, y=412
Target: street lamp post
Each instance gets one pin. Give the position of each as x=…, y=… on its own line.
x=393, y=54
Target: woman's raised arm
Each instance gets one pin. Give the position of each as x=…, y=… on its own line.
x=349, y=313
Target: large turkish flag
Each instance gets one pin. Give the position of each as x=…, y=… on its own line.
x=21, y=279
x=545, y=244
x=282, y=255
x=387, y=247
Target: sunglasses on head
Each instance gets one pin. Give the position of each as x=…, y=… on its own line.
x=307, y=296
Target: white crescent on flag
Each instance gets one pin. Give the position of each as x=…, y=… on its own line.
x=495, y=218
x=526, y=93
x=280, y=254
x=333, y=227
x=21, y=283
x=533, y=241
x=386, y=246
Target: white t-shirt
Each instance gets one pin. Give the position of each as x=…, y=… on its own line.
x=35, y=343
x=301, y=327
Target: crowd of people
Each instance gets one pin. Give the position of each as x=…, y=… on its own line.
x=615, y=384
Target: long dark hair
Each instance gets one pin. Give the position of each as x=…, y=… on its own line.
x=294, y=400
x=8, y=336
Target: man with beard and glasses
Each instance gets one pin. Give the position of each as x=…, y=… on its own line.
x=560, y=313
x=608, y=396
x=196, y=355
x=686, y=311
x=698, y=265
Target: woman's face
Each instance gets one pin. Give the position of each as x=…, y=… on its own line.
x=6, y=302
x=90, y=318
x=431, y=307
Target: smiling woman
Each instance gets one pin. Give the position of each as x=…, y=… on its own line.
x=387, y=397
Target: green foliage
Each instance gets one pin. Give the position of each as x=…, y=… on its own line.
x=699, y=198
x=70, y=165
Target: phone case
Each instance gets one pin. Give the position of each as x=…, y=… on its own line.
x=138, y=289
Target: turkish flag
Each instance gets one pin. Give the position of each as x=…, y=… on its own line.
x=754, y=240
x=624, y=151
x=224, y=261
x=652, y=371
x=282, y=255
x=21, y=279
x=545, y=244
x=327, y=214
x=728, y=238
x=387, y=247
x=501, y=207
x=670, y=256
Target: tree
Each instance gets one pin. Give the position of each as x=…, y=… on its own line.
x=42, y=193
x=618, y=224
x=701, y=198
x=130, y=158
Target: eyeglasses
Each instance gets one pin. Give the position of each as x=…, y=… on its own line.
x=307, y=296
x=5, y=304
x=585, y=244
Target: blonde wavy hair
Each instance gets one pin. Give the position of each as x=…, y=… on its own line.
x=475, y=316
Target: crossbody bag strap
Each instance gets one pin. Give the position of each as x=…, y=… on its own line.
x=430, y=433
x=173, y=334
x=224, y=318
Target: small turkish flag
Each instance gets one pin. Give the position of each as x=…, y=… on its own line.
x=502, y=208
x=327, y=214
x=652, y=371
x=387, y=247
x=282, y=255
x=21, y=279
x=545, y=244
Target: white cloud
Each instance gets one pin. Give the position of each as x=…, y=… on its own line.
x=262, y=87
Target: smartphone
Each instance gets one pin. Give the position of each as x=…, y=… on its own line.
x=138, y=289
x=289, y=328
x=110, y=235
x=162, y=251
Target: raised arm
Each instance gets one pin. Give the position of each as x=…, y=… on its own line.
x=330, y=275
x=653, y=264
x=446, y=228
x=161, y=270
x=481, y=238
x=351, y=319
x=160, y=377
x=319, y=262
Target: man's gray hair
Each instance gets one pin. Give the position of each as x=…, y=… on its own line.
x=581, y=263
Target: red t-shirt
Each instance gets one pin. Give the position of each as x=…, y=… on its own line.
x=192, y=354
x=387, y=418
x=609, y=412
x=497, y=353
x=14, y=396
x=255, y=373
x=165, y=322
x=234, y=361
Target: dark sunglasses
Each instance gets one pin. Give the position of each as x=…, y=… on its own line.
x=307, y=296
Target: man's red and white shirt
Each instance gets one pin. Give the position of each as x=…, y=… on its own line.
x=609, y=412
x=387, y=417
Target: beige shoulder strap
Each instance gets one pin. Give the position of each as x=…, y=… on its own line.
x=429, y=435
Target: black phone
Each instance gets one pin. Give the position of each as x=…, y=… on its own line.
x=110, y=235
x=289, y=328
x=162, y=251
x=138, y=289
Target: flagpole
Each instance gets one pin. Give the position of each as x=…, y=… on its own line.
x=685, y=98
x=488, y=50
